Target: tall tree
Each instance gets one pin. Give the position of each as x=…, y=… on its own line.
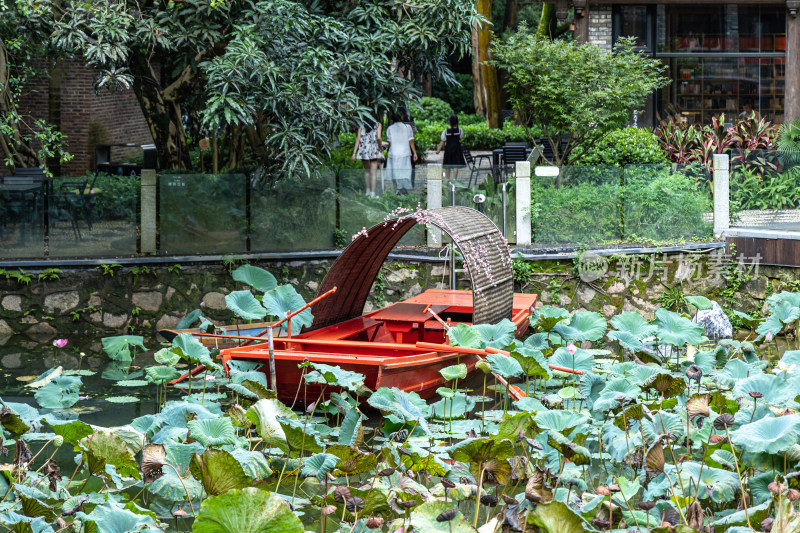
x=484, y=74
x=286, y=76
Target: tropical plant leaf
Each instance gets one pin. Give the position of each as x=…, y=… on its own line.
x=464, y=335
x=119, y=348
x=212, y=432
x=218, y=471
x=583, y=326
x=283, y=300
x=249, y=510
x=244, y=305
x=258, y=278
x=498, y=335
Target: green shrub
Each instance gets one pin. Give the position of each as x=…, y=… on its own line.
x=430, y=109
x=625, y=146
x=480, y=137
x=466, y=120
x=341, y=156
x=458, y=96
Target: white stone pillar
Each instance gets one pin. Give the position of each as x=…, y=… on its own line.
x=722, y=204
x=434, y=201
x=523, y=203
x=149, y=182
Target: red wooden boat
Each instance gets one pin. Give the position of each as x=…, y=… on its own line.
x=402, y=345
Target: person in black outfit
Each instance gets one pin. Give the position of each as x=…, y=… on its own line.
x=453, y=154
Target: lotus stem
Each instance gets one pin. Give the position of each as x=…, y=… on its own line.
x=478, y=498
x=188, y=498
x=739, y=476
x=672, y=487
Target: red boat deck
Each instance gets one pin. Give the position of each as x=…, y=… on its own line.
x=381, y=345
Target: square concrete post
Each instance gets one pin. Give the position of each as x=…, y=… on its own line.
x=722, y=203
x=434, y=201
x=148, y=211
x=523, y=211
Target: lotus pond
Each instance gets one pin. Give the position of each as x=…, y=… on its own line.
x=664, y=430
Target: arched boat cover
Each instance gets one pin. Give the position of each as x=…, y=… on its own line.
x=485, y=251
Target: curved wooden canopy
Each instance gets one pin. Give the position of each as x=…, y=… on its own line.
x=486, y=256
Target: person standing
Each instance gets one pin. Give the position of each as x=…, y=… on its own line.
x=453, y=153
x=368, y=149
x=411, y=124
x=402, y=151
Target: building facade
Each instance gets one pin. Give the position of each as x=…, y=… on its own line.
x=722, y=58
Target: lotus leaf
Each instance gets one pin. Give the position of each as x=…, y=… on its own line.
x=319, y=465
x=12, y=421
x=757, y=513
x=775, y=390
x=454, y=372
x=700, y=302
x=111, y=517
x=248, y=510
x=264, y=414
x=193, y=350
x=733, y=371
x=530, y=404
x=61, y=392
x=532, y=362
x=498, y=335
x=407, y=406
x=424, y=518
x=464, y=335
x=571, y=449
x=213, y=431
x=119, y=348
x=106, y=447
x=547, y=317
x=73, y=431
x=771, y=325
x=300, y=436
x=456, y=407
x=724, y=483
x=244, y=305
x=633, y=323
x=351, y=432
x=122, y=399
x=665, y=384
x=158, y=375
x=537, y=341
x=770, y=435
x=641, y=373
x=165, y=356
x=218, y=471
x=45, y=378
x=676, y=330
x=582, y=360
x=555, y=517
x=561, y=421
x=258, y=278
x=627, y=340
x=333, y=375
x=591, y=386
x=583, y=326
x=476, y=451
x=352, y=460
x=504, y=365
x=284, y=300
x=616, y=392
x=792, y=298
x=190, y=319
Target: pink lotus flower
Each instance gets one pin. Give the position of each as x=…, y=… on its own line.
x=768, y=336
x=571, y=348
x=60, y=343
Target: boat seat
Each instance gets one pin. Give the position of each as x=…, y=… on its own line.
x=346, y=329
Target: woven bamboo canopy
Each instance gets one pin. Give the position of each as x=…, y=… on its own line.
x=485, y=252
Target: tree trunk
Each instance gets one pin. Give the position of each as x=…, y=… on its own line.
x=544, y=21
x=163, y=116
x=510, y=18
x=486, y=82
x=477, y=83
x=12, y=144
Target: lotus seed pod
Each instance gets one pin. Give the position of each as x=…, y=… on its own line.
x=58, y=441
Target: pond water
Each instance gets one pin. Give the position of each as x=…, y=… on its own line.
x=22, y=360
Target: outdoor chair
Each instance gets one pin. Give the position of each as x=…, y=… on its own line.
x=77, y=201
x=513, y=152
x=547, y=148
x=474, y=164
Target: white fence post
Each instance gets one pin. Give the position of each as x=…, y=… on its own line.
x=434, y=201
x=722, y=204
x=149, y=181
x=523, y=204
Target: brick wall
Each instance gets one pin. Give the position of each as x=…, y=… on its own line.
x=88, y=118
x=600, y=26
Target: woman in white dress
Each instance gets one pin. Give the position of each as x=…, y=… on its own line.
x=401, y=150
x=368, y=148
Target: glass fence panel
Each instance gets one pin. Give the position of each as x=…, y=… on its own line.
x=667, y=203
x=483, y=191
x=203, y=213
x=581, y=205
x=22, y=217
x=96, y=215
x=398, y=192
x=290, y=212
x=765, y=189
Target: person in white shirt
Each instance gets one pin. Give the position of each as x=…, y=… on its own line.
x=401, y=151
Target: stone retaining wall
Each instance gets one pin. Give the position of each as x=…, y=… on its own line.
x=141, y=302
